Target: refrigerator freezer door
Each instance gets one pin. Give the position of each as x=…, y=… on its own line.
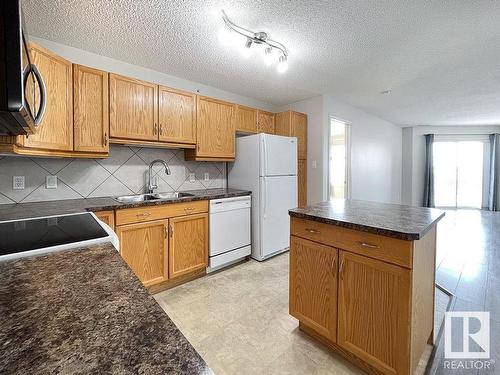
x=278, y=155
x=279, y=194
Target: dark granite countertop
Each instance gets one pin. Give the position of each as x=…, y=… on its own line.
x=392, y=220
x=83, y=311
x=34, y=209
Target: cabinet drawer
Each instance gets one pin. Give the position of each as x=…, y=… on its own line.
x=391, y=250
x=140, y=214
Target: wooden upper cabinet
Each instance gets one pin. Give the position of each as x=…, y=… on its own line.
x=293, y=124
x=188, y=244
x=215, y=129
x=246, y=119
x=299, y=129
x=373, y=310
x=302, y=182
x=265, y=122
x=176, y=116
x=144, y=248
x=313, y=285
x=133, y=112
x=55, y=131
x=91, y=103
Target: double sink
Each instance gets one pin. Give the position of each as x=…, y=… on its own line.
x=151, y=197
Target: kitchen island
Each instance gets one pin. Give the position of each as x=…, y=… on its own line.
x=83, y=311
x=362, y=280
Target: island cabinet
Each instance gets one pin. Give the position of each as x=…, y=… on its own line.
x=164, y=244
x=367, y=296
x=215, y=128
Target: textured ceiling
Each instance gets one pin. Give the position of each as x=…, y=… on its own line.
x=440, y=58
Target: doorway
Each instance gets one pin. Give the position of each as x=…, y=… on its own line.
x=339, y=159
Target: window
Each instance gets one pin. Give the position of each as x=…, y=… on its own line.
x=338, y=168
x=458, y=173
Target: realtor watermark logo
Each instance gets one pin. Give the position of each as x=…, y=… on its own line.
x=467, y=340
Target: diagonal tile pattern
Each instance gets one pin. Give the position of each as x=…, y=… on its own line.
x=124, y=172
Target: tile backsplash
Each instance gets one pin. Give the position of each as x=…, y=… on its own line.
x=124, y=172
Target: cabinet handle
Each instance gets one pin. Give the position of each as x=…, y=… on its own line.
x=313, y=231
x=341, y=270
x=144, y=214
x=106, y=139
x=189, y=208
x=370, y=246
x=166, y=231
x=171, y=229
x=155, y=129
x=161, y=129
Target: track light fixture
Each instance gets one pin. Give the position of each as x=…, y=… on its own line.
x=273, y=51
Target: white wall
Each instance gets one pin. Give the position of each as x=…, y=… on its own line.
x=93, y=60
x=414, y=156
x=376, y=156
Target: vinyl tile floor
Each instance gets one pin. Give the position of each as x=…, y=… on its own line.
x=238, y=321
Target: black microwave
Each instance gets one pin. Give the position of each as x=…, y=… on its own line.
x=22, y=90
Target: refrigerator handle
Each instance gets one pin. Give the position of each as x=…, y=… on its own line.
x=264, y=198
x=264, y=153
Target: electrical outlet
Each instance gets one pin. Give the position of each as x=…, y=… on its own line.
x=314, y=164
x=207, y=176
x=191, y=177
x=18, y=182
x=50, y=182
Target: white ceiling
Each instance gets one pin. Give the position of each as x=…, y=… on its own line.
x=440, y=58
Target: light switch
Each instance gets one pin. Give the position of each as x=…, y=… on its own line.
x=18, y=182
x=51, y=182
x=191, y=177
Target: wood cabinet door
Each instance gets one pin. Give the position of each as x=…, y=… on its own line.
x=265, y=122
x=246, y=119
x=144, y=248
x=302, y=182
x=298, y=129
x=215, y=128
x=91, y=104
x=176, y=115
x=374, y=299
x=313, y=285
x=107, y=217
x=133, y=112
x=55, y=131
x=188, y=244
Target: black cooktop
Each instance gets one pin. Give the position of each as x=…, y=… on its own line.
x=31, y=234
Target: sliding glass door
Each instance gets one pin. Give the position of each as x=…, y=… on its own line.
x=458, y=174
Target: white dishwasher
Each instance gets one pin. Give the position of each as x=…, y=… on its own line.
x=230, y=235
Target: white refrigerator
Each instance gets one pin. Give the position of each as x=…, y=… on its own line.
x=267, y=166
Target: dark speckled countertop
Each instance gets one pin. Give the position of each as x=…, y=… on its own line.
x=34, y=209
x=83, y=311
x=392, y=220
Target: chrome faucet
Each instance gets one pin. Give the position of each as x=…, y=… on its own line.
x=152, y=187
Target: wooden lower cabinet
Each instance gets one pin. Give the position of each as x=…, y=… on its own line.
x=188, y=244
x=144, y=248
x=313, y=285
x=374, y=309
x=108, y=217
x=164, y=252
x=373, y=312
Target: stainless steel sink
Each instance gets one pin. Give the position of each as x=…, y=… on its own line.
x=151, y=197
